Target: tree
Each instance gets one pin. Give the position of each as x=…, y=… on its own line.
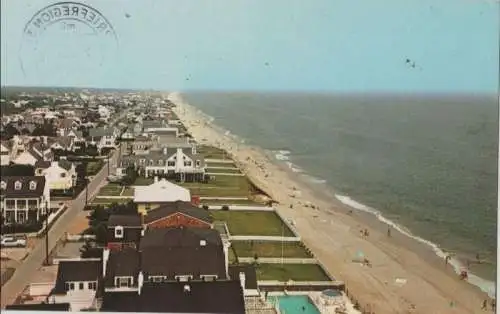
x=130, y=176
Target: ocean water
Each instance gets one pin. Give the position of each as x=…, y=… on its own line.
x=425, y=163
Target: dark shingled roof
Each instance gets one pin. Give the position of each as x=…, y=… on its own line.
x=44, y=164
x=167, y=209
x=172, y=297
x=82, y=270
x=39, y=307
x=25, y=190
x=124, y=262
x=250, y=275
x=66, y=165
x=124, y=220
x=179, y=251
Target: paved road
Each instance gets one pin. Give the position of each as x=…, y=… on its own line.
x=23, y=274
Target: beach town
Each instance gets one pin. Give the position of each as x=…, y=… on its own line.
x=138, y=202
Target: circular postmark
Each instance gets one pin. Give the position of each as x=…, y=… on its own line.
x=67, y=39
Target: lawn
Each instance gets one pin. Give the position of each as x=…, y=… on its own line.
x=295, y=272
x=103, y=201
x=229, y=170
x=143, y=181
x=270, y=249
x=221, y=164
x=129, y=191
x=111, y=189
x=231, y=202
x=212, y=152
x=93, y=167
x=221, y=186
x=253, y=223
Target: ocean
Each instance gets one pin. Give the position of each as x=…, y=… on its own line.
x=426, y=163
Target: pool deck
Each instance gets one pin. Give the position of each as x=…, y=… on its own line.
x=324, y=306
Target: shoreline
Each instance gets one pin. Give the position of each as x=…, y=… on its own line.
x=428, y=288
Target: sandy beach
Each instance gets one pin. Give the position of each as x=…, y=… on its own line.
x=404, y=276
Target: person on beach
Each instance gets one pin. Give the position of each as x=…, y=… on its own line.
x=389, y=232
x=447, y=259
x=485, y=305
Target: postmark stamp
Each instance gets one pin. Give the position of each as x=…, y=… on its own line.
x=64, y=37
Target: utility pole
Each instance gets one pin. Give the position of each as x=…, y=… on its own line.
x=282, y=243
x=86, y=185
x=47, y=205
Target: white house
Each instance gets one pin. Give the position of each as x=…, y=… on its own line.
x=103, y=137
x=160, y=191
x=61, y=175
x=23, y=198
x=77, y=283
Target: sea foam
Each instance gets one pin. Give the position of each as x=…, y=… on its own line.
x=485, y=285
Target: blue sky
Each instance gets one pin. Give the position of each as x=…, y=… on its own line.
x=342, y=46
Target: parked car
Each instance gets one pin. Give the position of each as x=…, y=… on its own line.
x=12, y=241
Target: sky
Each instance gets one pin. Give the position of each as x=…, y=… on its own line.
x=281, y=45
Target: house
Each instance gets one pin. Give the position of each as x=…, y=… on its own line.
x=103, y=137
x=63, y=143
x=121, y=269
x=161, y=191
x=24, y=199
x=179, y=297
x=4, y=153
x=61, y=175
x=183, y=254
x=177, y=214
x=51, y=307
x=123, y=231
x=77, y=283
x=176, y=163
x=29, y=153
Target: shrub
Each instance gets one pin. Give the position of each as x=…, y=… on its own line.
x=205, y=207
x=225, y=207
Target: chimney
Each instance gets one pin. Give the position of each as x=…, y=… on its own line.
x=105, y=257
x=140, y=282
x=242, y=280
x=187, y=288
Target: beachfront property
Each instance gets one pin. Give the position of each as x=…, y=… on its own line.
x=24, y=199
x=161, y=191
x=175, y=163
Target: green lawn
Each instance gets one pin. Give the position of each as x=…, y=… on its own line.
x=93, y=167
x=111, y=189
x=103, y=201
x=212, y=152
x=212, y=170
x=221, y=164
x=295, y=272
x=270, y=249
x=143, y=181
x=221, y=186
x=129, y=191
x=231, y=202
x=253, y=223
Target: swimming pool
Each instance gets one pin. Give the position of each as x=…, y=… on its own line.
x=295, y=304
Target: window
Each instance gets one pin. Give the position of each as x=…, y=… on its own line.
x=32, y=185
x=66, y=286
x=123, y=281
x=198, y=163
x=208, y=277
x=3, y=185
x=71, y=286
x=160, y=162
x=183, y=278
x=63, y=175
x=39, y=172
x=118, y=232
x=32, y=203
x=92, y=285
x=10, y=203
x=157, y=278
x=18, y=185
x=171, y=164
x=80, y=286
x=188, y=164
x=151, y=162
